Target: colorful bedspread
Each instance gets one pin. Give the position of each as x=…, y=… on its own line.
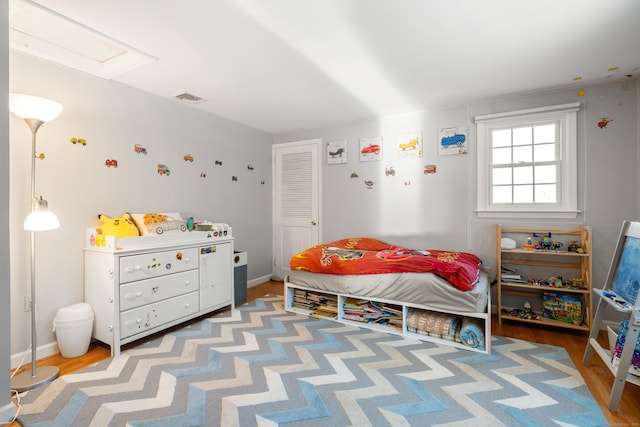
x=364, y=255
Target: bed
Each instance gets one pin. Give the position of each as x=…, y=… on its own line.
x=433, y=295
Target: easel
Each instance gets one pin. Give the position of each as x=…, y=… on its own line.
x=616, y=294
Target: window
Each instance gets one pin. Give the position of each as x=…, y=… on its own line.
x=527, y=163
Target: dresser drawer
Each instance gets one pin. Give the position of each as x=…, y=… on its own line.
x=157, y=314
x=154, y=264
x=147, y=291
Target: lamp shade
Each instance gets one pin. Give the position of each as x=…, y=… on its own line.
x=41, y=218
x=33, y=107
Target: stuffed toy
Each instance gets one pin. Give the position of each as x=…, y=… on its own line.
x=118, y=226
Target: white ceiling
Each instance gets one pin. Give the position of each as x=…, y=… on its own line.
x=287, y=65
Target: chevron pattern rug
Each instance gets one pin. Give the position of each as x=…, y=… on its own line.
x=259, y=365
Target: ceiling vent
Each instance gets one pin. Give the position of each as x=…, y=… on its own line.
x=189, y=98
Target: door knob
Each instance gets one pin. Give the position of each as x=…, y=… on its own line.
x=314, y=222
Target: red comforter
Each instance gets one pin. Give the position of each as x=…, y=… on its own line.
x=370, y=256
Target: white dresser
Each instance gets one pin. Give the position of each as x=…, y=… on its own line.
x=143, y=285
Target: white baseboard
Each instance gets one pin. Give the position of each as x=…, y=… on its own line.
x=43, y=351
x=258, y=281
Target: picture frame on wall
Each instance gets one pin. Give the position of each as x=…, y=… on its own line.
x=371, y=149
x=452, y=140
x=410, y=145
x=337, y=152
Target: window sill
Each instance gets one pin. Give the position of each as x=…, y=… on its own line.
x=528, y=214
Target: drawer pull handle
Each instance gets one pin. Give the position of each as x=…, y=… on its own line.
x=187, y=305
x=131, y=269
x=129, y=297
x=187, y=282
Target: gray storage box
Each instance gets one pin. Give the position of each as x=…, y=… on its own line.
x=239, y=277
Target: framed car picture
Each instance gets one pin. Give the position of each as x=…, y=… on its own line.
x=370, y=149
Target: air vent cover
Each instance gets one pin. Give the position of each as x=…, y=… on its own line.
x=187, y=97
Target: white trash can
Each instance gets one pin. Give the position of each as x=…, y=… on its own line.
x=73, y=326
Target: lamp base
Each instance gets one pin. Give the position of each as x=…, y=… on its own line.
x=25, y=381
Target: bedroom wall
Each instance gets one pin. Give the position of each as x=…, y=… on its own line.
x=74, y=179
x=437, y=210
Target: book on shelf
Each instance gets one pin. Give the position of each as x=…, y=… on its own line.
x=513, y=278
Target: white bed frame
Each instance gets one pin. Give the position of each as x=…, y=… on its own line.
x=484, y=317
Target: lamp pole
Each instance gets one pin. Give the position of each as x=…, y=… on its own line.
x=37, y=377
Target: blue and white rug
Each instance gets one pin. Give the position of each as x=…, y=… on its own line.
x=259, y=365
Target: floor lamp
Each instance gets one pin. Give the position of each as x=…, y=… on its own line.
x=35, y=111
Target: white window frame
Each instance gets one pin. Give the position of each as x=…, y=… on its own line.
x=567, y=205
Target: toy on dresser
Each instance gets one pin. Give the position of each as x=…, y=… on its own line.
x=118, y=226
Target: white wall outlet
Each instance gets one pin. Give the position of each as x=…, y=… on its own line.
x=27, y=303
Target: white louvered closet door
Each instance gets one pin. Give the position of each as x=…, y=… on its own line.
x=296, y=201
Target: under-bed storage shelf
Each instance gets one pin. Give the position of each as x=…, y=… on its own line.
x=387, y=316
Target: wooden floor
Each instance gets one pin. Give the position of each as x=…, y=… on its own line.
x=597, y=376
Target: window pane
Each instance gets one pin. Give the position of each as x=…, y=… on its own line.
x=501, y=176
x=546, y=174
x=522, y=136
x=523, y=175
x=544, y=133
x=544, y=153
x=523, y=194
x=501, y=156
x=502, y=194
x=546, y=193
x=522, y=154
x=501, y=138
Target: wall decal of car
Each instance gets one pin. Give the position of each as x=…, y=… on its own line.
x=163, y=170
x=371, y=149
x=140, y=149
x=188, y=158
x=111, y=163
x=80, y=141
x=457, y=139
x=430, y=169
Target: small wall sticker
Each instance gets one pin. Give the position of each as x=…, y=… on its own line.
x=80, y=141
x=163, y=169
x=111, y=163
x=140, y=149
x=188, y=158
x=604, y=122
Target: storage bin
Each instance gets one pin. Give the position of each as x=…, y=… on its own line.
x=73, y=326
x=239, y=277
